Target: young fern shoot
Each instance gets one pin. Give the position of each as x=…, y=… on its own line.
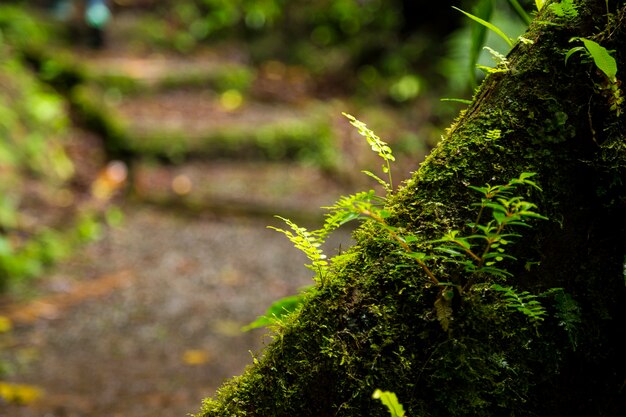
x=378, y=146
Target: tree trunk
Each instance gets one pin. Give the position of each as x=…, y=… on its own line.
x=373, y=324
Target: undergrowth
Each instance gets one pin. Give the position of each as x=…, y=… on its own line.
x=501, y=211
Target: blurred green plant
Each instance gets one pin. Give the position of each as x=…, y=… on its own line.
x=35, y=170
x=328, y=37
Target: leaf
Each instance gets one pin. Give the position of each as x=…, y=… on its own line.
x=540, y=4
x=488, y=25
x=603, y=60
x=390, y=400
x=278, y=309
x=443, y=307
x=420, y=256
x=573, y=51
x=379, y=180
x=448, y=250
x=482, y=9
x=520, y=11
x=601, y=57
x=500, y=217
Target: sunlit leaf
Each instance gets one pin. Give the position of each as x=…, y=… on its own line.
x=488, y=25
x=277, y=310
x=390, y=400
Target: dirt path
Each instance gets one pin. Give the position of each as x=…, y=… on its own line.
x=152, y=325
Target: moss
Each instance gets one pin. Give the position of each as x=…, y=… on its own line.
x=222, y=78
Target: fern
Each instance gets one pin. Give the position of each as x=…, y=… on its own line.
x=479, y=253
x=565, y=9
x=568, y=314
x=523, y=302
x=380, y=147
x=502, y=63
x=308, y=242
x=348, y=208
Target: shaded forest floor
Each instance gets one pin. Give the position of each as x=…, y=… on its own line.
x=146, y=321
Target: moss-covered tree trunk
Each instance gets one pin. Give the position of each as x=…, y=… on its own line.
x=373, y=323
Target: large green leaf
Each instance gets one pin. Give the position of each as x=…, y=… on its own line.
x=601, y=57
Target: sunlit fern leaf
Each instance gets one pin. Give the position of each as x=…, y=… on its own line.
x=523, y=302
x=565, y=8
x=308, y=242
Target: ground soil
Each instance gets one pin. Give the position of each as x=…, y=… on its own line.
x=147, y=321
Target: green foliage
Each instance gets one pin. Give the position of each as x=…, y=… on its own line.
x=501, y=20
x=308, y=242
x=380, y=147
x=479, y=254
x=565, y=8
x=19, y=28
x=36, y=172
x=569, y=315
x=601, y=57
x=390, y=400
x=502, y=63
x=523, y=302
x=276, y=311
x=606, y=64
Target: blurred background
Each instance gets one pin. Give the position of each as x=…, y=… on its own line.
x=145, y=146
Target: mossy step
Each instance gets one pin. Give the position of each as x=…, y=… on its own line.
x=258, y=188
x=177, y=124
x=158, y=72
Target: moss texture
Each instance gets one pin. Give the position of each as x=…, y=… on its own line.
x=372, y=324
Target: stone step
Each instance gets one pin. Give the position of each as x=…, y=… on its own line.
x=251, y=188
x=142, y=73
x=179, y=123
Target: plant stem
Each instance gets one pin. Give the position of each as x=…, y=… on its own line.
x=402, y=243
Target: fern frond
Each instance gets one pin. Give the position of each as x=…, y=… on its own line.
x=348, y=208
x=308, y=242
x=523, y=302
